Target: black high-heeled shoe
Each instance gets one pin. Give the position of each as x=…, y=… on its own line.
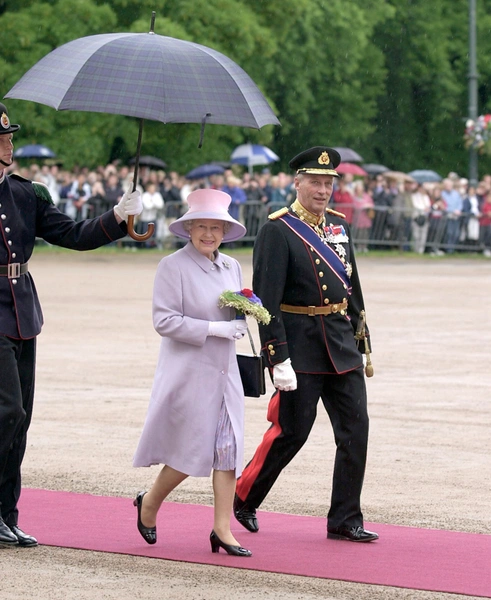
x=149, y=534
x=216, y=544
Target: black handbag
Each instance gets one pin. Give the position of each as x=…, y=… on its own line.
x=251, y=367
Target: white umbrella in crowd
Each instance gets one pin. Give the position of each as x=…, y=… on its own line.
x=252, y=155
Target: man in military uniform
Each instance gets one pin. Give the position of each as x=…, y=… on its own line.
x=305, y=274
x=27, y=212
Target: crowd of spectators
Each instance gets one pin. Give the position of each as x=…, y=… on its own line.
x=384, y=211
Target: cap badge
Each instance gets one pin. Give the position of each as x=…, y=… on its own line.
x=4, y=120
x=324, y=158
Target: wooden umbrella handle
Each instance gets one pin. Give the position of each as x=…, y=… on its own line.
x=139, y=237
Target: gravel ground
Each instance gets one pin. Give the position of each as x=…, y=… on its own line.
x=428, y=401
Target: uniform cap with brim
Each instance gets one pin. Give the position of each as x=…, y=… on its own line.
x=5, y=125
x=209, y=204
x=320, y=160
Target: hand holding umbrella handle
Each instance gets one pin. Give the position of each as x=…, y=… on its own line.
x=139, y=237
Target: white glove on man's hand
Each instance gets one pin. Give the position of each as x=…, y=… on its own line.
x=130, y=204
x=232, y=330
x=284, y=377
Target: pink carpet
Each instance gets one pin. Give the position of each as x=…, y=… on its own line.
x=406, y=557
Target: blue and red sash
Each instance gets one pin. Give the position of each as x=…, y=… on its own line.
x=308, y=235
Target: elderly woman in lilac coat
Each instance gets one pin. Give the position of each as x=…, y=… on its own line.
x=195, y=419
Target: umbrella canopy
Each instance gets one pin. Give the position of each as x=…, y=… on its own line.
x=349, y=155
x=205, y=171
x=373, y=169
x=345, y=168
x=34, y=151
x=425, y=176
x=398, y=176
x=252, y=155
x=147, y=76
x=149, y=161
x=226, y=164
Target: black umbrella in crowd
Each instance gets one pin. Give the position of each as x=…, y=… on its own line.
x=349, y=155
x=147, y=76
x=149, y=161
x=374, y=169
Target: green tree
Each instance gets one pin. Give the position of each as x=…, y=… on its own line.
x=386, y=77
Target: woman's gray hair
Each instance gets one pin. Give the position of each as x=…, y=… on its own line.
x=186, y=225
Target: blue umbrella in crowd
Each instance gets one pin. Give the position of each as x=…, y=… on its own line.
x=34, y=151
x=252, y=155
x=425, y=176
x=205, y=171
x=147, y=76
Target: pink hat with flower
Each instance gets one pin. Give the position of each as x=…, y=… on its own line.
x=209, y=204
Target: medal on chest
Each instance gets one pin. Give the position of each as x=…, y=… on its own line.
x=335, y=236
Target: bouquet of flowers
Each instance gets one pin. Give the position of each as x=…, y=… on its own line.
x=478, y=134
x=245, y=303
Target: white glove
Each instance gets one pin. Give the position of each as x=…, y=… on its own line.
x=284, y=377
x=232, y=330
x=130, y=204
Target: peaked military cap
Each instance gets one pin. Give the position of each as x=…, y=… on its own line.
x=320, y=160
x=5, y=125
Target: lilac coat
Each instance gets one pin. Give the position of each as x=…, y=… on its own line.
x=194, y=372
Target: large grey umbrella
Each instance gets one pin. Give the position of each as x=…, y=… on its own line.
x=147, y=76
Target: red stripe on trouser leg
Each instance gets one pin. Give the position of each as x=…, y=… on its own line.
x=252, y=470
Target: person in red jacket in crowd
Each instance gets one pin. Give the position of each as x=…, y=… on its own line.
x=485, y=224
x=342, y=200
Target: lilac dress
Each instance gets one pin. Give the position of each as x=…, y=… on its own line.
x=196, y=409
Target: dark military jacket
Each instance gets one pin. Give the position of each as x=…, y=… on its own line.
x=288, y=271
x=24, y=215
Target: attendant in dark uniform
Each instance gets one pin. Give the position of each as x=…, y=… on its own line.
x=26, y=212
x=305, y=274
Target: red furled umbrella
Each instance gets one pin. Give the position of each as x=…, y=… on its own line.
x=345, y=168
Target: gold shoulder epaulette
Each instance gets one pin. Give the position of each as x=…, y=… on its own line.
x=336, y=213
x=278, y=213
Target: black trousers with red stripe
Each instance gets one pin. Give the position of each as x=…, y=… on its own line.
x=292, y=415
x=17, y=374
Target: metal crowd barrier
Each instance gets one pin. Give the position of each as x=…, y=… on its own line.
x=391, y=228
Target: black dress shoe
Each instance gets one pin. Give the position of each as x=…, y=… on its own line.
x=245, y=515
x=216, y=544
x=7, y=538
x=25, y=540
x=149, y=534
x=352, y=534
